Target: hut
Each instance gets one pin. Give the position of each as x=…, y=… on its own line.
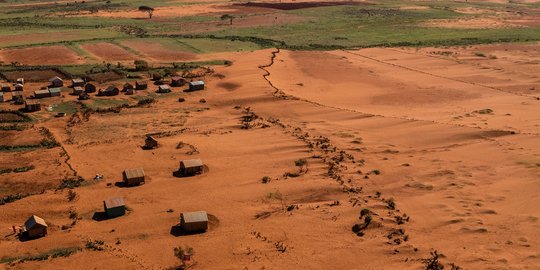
x=150, y=143
x=89, y=88
x=164, y=89
x=133, y=177
x=17, y=97
x=191, y=167
x=127, y=86
x=1, y=96
x=55, y=92
x=130, y=91
x=32, y=106
x=109, y=91
x=5, y=87
x=194, y=86
x=177, y=81
x=56, y=82
x=20, y=80
x=77, y=90
x=77, y=82
x=194, y=221
x=114, y=207
x=42, y=93
x=35, y=227
x=84, y=96
x=141, y=85
x=19, y=87
x=156, y=77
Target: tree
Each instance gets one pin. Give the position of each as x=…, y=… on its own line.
x=149, y=10
x=141, y=65
x=227, y=17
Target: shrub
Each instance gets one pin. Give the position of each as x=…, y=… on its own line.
x=266, y=179
x=364, y=212
x=141, y=65
x=433, y=263
x=300, y=162
x=96, y=245
x=180, y=252
x=71, y=196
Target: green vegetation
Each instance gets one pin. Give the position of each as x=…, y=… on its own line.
x=17, y=170
x=54, y=253
x=69, y=107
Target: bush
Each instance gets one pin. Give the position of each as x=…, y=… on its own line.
x=141, y=65
x=266, y=179
x=96, y=245
x=300, y=162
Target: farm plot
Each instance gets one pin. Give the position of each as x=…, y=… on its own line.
x=161, y=49
x=108, y=51
x=45, y=55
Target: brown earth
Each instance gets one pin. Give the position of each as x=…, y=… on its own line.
x=32, y=75
x=108, y=52
x=375, y=126
x=45, y=55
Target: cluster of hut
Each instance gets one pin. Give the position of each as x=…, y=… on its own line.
x=190, y=222
x=82, y=89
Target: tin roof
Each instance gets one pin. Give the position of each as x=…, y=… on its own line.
x=188, y=163
x=55, y=78
x=134, y=173
x=33, y=221
x=78, y=80
x=55, y=90
x=31, y=102
x=197, y=83
x=41, y=92
x=114, y=202
x=164, y=86
x=198, y=216
x=78, y=88
x=17, y=93
x=141, y=83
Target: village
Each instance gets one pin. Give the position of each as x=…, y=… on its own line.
x=174, y=135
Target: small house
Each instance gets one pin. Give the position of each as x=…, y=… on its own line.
x=17, y=97
x=55, y=92
x=165, y=88
x=133, y=177
x=177, y=81
x=1, y=96
x=127, y=86
x=19, y=87
x=130, y=91
x=141, y=85
x=56, y=82
x=35, y=227
x=32, y=106
x=150, y=143
x=109, y=91
x=194, y=221
x=194, y=86
x=114, y=207
x=191, y=167
x=77, y=82
x=89, y=88
x=156, y=77
x=42, y=93
x=20, y=80
x=84, y=96
x=77, y=90
x=5, y=87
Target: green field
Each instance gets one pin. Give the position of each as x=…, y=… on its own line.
x=381, y=23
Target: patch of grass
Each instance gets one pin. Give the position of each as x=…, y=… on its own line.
x=17, y=170
x=484, y=111
x=53, y=253
x=68, y=107
x=480, y=54
x=274, y=195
